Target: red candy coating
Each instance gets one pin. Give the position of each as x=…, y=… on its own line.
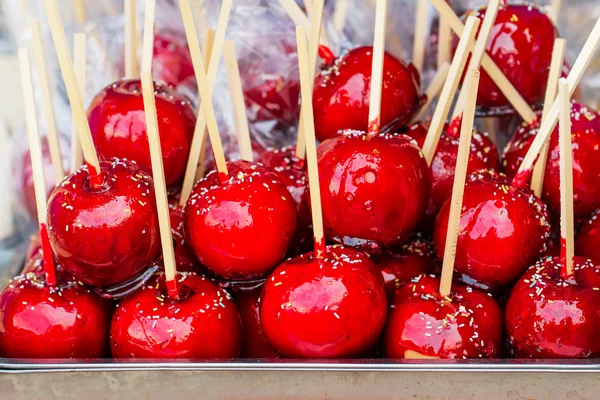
x=341, y=94
x=335, y=307
x=203, y=323
x=255, y=343
x=41, y=321
x=587, y=241
x=374, y=192
x=290, y=169
x=548, y=316
x=118, y=124
x=274, y=99
x=467, y=324
x=242, y=228
x=108, y=236
x=172, y=62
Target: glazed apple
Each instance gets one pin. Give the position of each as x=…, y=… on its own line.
x=117, y=121
x=588, y=238
x=255, y=343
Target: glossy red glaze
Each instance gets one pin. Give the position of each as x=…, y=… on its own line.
x=503, y=230
x=34, y=264
x=273, y=99
x=520, y=43
x=255, y=343
x=341, y=94
x=172, y=62
x=585, y=138
x=41, y=321
x=242, y=228
x=108, y=236
x=548, y=316
x=467, y=324
x=329, y=308
x=184, y=256
x=587, y=241
x=118, y=124
x=374, y=192
x=203, y=323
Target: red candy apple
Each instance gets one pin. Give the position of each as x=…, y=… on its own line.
x=118, y=125
x=42, y=321
x=242, y=228
x=328, y=308
x=466, y=324
x=109, y=235
x=341, y=94
x=520, y=43
x=290, y=169
x=588, y=238
x=172, y=62
x=585, y=137
x=503, y=230
x=203, y=323
x=374, y=190
x=551, y=316
x=255, y=343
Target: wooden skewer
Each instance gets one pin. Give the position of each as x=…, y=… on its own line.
x=479, y=49
x=36, y=164
x=456, y=70
x=160, y=186
x=73, y=92
x=558, y=55
x=547, y=126
x=377, y=69
x=506, y=87
x=311, y=143
x=80, y=10
x=197, y=59
x=433, y=90
x=313, y=53
x=339, y=15
x=458, y=188
x=237, y=97
x=47, y=103
x=567, y=232
x=209, y=41
x=131, y=62
x=79, y=61
x=444, y=43
x=148, y=40
x=418, y=56
x=295, y=13
x=553, y=10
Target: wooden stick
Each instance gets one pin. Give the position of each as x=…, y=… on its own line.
x=295, y=13
x=567, y=232
x=553, y=10
x=444, y=43
x=237, y=98
x=148, y=40
x=196, y=53
x=377, y=69
x=160, y=186
x=456, y=70
x=311, y=143
x=308, y=7
x=313, y=54
x=79, y=10
x=418, y=56
x=73, y=92
x=458, y=188
x=479, y=49
x=506, y=87
x=79, y=61
x=558, y=55
x=36, y=164
x=339, y=15
x=47, y=103
x=209, y=41
x=131, y=62
x=579, y=67
x=433, y=90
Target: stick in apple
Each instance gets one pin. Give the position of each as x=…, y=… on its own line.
x=131, y=62
x=79, y=61
x=374, y=127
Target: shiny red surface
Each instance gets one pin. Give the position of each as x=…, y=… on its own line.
x=374, y=192
x=40, y=321
x=548, y=316
x=503, y=230
x=585, y=139
x=273, y=99
x=118, y=124
x=467, y=324
x=203, y=323
x=184, y=256
x=520, y=43
x=172, y=62
x=108, y=236
x=341, y=94
x=587, y=241
x=329, y=308
x=255, y=343
x=240, y=229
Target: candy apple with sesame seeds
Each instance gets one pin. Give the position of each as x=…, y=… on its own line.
x=254, y=342
x=585, y=133
x=105, y=235
x=587, y=241
x=116, y=117
x=203, y=323
x=290, y=169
